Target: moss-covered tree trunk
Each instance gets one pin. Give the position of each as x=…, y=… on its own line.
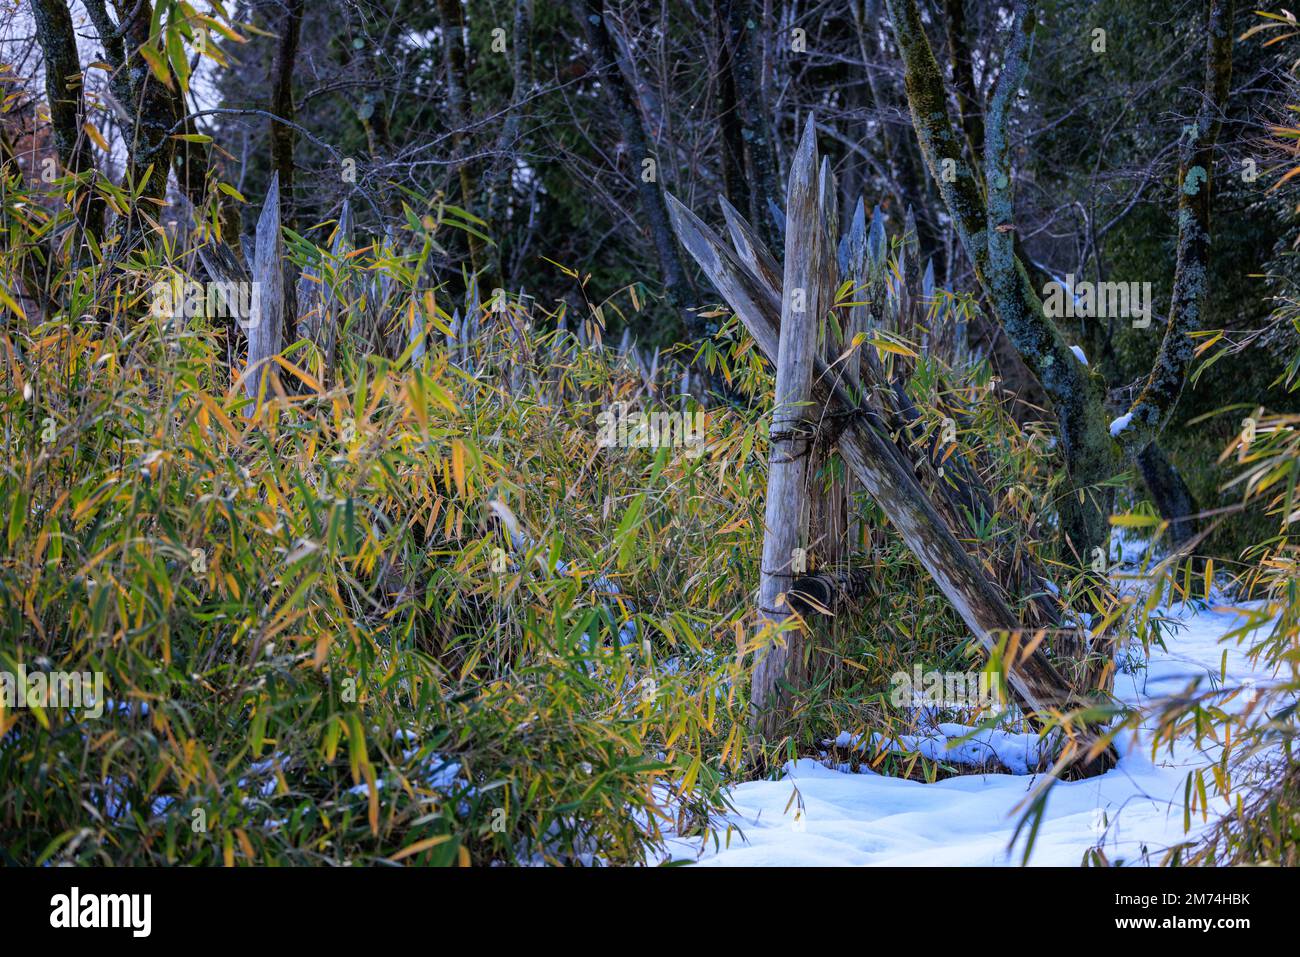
x=986, y=230
x=153, y=105
x=1155, y=404
x=283, y=140
x=63, y=86
x=756, y=131
x=622, y=98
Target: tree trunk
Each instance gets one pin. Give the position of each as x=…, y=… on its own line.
x=985, y=235
x=499, y=182
x=969, y=108
x=755, y=130
x=735, y=175
x=453, y=25
x=1155, y=404
x=987, y=230
x=604, y=61
x=1170, y=493
x=63, y=85
x=193, y=161
x=283, y=139
x=156, y=110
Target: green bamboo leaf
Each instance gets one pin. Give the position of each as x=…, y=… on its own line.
x=17, y=516
x=625, y=536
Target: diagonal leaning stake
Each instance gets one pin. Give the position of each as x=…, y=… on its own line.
x=888, y=478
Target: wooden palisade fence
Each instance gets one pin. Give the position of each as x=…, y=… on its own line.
x=783, y=307
x=386, y=325
x=826, y=385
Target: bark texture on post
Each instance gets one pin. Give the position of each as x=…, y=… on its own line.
x=827, y=498
x=805, y=299
x=857, y=265
x=224, y=264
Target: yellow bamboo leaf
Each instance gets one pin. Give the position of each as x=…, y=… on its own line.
x=1294, y=172
x=13, y=305
x=419, y=846
x=458, y=466
x=885, y=345
x=95, y=136
x=310, y=381
x=221, y=417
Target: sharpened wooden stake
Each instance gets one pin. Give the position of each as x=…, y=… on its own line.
x=827, y=496
x=805, y=299
x=267, y=320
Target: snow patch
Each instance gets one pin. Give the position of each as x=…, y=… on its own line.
x=820, y=816
x=950, y=743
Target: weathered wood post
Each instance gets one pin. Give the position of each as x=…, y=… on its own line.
x=267, y=319
x=805, y=297
x=225, y=266
x=856, y=325
x=469, y=333
x=828, y=505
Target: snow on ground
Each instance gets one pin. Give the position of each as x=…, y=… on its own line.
x=819, y=816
